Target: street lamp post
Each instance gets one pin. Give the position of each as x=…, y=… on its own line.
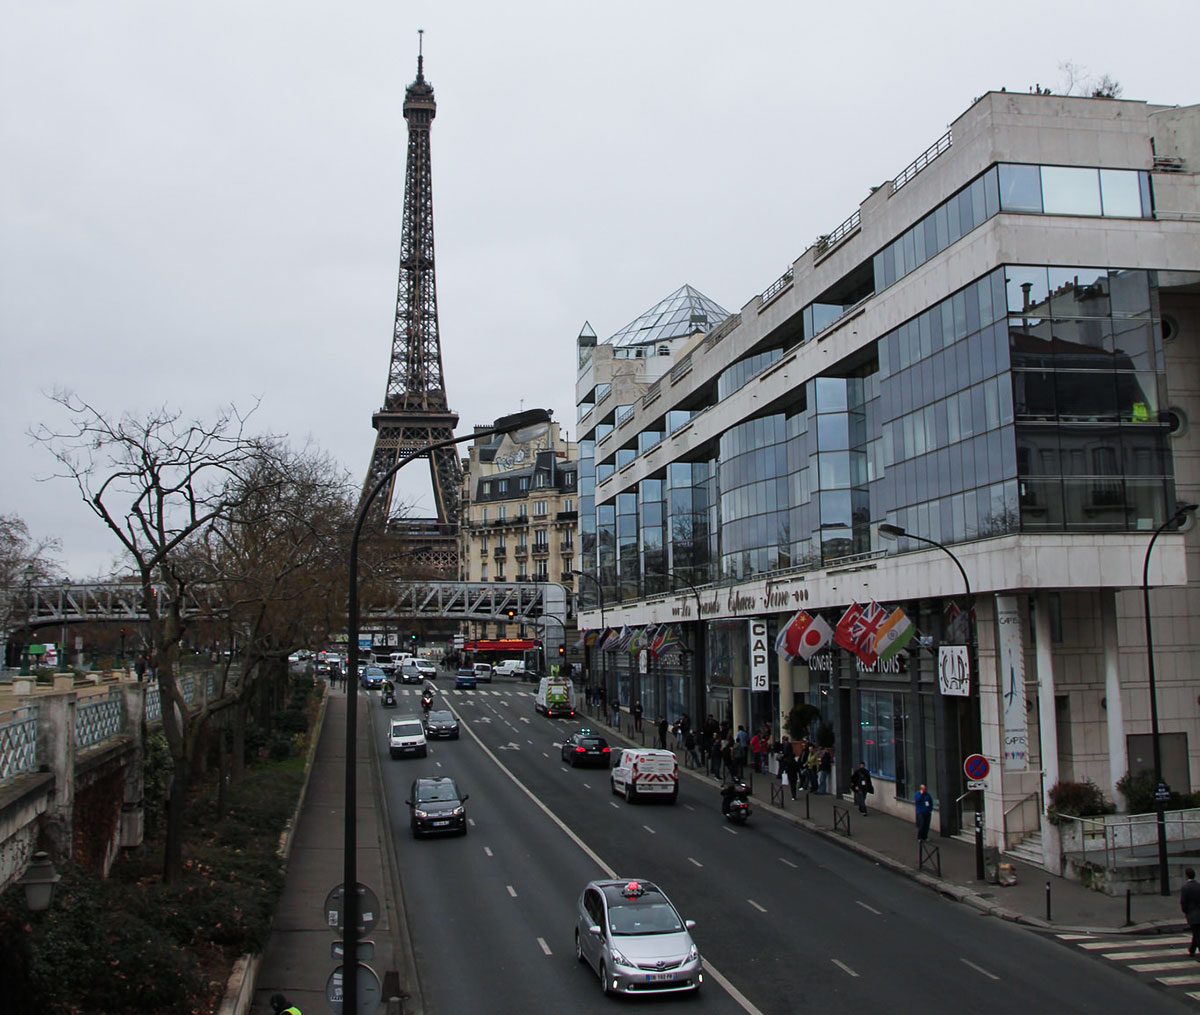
x=1160, y=789
x=588, y=656
x=28, y=618
x=890, y=531
x=350, y=916
x=64, y=663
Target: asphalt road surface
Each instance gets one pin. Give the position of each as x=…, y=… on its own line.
x=784, y=919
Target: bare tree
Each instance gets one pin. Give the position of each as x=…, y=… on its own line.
x=22, y=559
x=158, y=482
x=1077, y=81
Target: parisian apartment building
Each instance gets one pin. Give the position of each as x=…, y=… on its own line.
x=519, y=512
x=972, y=400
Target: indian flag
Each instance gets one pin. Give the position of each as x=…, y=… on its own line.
x=894, y=633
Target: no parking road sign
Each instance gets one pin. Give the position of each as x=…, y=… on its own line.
x=976, y=766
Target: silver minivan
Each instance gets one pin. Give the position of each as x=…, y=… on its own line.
x=635, y=940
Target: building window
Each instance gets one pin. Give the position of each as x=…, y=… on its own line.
x=483, y=543
x=521, y=542
x=539, y=539
x=523, y=484
x=541, y=573
x=539, y=507
x=500, y=541
x=484, y=517
x=541, y=479
x=501, y=513
x=521, y=570
x=568, y=539
x=483, y=572
x=502, y=487
x=568, y=504
x=522, y=510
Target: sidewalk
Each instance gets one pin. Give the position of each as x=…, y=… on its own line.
x=296, y=960
x=892, y=842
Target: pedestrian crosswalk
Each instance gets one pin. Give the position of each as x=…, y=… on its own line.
x=513, y=692
x=1162, y=958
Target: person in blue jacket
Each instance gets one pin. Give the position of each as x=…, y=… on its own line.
x=924, y=804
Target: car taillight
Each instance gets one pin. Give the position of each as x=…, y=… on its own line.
x=605, y=750
x=581, y=749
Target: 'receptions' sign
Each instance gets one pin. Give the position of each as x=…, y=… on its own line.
x=760, y=656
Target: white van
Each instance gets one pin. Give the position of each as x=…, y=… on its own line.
x=407, y=736
x=509, y=667
x=555, y=696
x=645, y=771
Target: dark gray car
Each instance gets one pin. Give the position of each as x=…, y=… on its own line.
x=635, y=940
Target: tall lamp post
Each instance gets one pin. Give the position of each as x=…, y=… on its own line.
x=890, y=531
x=600, y=593
x=529, y=419
x=1161, y=792
x=28, y=618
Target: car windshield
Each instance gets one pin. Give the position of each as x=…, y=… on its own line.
x=643, y=918
x=427, y=794
x=466, y=673
x=373, y=671
x=440, y=717
x=406, y=729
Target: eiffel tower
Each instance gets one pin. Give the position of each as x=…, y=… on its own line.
x=415, y=412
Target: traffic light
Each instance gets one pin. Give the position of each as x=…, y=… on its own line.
x=413, y=636
x=511, y=613
x=562, y=650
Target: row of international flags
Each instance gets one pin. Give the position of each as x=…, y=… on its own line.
x=657, y=638
x=872, y=632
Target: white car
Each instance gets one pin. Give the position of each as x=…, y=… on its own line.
x=509, y=668
x=483, y=673
x=426, y=667
x=407, y=736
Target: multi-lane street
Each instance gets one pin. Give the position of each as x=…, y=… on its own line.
x=784, y=919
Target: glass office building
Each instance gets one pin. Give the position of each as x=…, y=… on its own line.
x=997, y=356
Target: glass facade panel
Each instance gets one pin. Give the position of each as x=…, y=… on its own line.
x=1070, y=191
x=1121, y=193
x=1020, y=188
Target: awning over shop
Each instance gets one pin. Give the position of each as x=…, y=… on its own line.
x=500, y=645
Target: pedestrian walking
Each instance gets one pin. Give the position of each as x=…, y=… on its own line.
x=692, y=755
x=662, y=732
x=924, y=807
x=823, y=771
x=280, y=1006
x=861, y=785
x=139, y=667
x=789, y=766
x=1189, y=902
x=637, y=716
x=813, y=766
x=616, y=709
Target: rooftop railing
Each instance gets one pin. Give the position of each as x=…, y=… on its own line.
x=922, y=161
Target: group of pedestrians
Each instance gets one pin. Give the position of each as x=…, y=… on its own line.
x=803, y=764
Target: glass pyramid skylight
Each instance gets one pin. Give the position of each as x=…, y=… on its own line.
x=684, y=312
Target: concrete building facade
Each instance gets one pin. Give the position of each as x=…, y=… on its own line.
x=999, y=354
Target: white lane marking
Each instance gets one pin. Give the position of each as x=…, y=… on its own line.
x=613, y=803
x=438, y=764
x=745, y=1003
x=531, y=741
x=730, y=831
x=789, y=863
x=872, y=909
x=486, y=849
x=844, y=968
x=511, y=891
x=756, y=905
x=1142, y=942
x=978, y=969
x=565, y=769
x=650, y=830
x=1161, y=967
x=695, y=861
x=545, y=755
x=689, y=807
x=545, y=947
x=471, y=822
x=586, y=786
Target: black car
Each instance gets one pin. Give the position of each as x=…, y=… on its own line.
x=436, y=806
x=409, y=674
x=583, y=747
x=441, y=724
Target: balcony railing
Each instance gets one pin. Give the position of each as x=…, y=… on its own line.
x=922, y=161
x=776, y=287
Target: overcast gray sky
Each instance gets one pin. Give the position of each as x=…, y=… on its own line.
x=200, y=203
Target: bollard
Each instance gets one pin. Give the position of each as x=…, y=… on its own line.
x=1128, y=910
x=807, y=812
x=1048, y=902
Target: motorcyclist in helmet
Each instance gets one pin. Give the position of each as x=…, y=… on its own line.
x=733, y=790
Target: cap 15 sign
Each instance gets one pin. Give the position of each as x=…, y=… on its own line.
x=760, y=674
x=954, y=670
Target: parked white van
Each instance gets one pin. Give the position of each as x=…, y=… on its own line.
x=645, y=771
x=509, y=667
